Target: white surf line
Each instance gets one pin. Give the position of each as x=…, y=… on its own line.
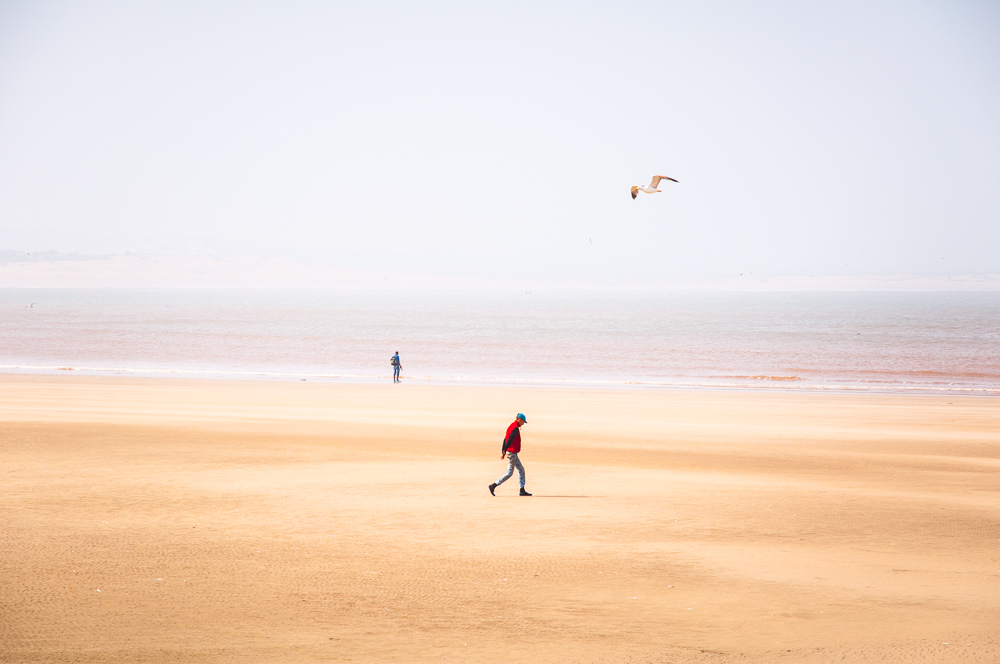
x=789, y=386
x=211, y=372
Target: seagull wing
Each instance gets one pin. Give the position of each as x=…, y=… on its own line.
x=656, y=180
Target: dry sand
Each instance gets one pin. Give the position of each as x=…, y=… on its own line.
x=215, y=521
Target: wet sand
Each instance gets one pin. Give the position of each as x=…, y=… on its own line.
x=148, y=520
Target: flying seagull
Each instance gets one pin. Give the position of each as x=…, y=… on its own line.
x=652, y=188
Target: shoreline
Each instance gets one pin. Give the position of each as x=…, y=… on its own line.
x=763, y=383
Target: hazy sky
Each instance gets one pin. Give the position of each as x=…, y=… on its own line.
x=500, y=139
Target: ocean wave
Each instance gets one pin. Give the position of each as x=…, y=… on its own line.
x=855, y=374
x=784, y=378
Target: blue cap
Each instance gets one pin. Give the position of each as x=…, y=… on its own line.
x=520, y=416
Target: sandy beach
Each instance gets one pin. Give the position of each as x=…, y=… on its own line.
x=152, y=520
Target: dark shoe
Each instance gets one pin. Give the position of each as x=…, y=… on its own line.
x=492, y=486
x=524, y=493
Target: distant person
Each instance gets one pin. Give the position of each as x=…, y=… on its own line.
x=511, y=448
x=396, y=366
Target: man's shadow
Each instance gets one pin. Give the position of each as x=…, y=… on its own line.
x=537, y=495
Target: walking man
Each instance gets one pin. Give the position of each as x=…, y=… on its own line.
x=511, y=448
x=396, y=366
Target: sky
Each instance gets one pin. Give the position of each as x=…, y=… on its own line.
x=499, y=141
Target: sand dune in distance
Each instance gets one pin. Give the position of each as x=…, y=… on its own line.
x=151, y=520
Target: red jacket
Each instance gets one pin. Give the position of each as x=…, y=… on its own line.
x=512, y=441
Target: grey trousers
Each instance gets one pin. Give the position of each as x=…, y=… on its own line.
x=512, y=463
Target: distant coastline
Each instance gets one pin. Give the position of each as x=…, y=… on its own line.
x=54, y=269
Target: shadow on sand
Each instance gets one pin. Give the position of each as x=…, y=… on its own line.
x=537, y=495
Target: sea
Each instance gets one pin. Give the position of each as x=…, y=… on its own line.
x=882, y=342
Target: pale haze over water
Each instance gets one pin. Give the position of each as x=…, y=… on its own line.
x=897, y=342
x=498, y=141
